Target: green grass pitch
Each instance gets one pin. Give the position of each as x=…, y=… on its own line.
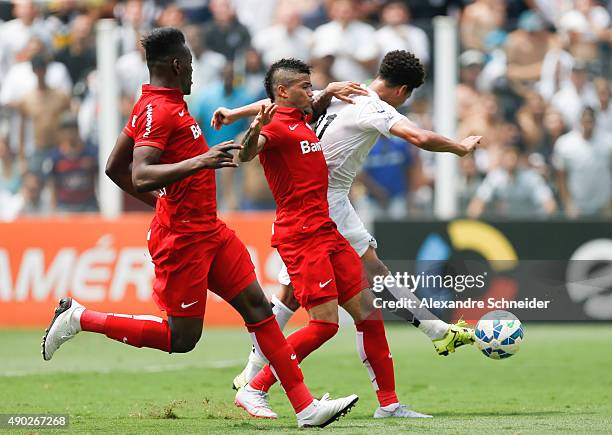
x=560, y=381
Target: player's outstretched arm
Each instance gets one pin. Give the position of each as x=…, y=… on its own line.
x=148, y=174
x=431, y=141
x=253, y=142
x=340, y=90
x=224, y=116
x=118, y=169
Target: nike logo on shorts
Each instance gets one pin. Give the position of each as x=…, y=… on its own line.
x=293, y=356
x=181, y=113
x=293, y=127
x=325, y=283
x=184, y=305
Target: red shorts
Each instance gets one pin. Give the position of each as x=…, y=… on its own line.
x=323, y=268
x=187, y=264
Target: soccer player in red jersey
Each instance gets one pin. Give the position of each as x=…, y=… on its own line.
x=191, y=248
x=325, y=270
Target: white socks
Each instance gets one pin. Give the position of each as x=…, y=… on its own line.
x=256, y=361
x=281, y=311
x=433, y=327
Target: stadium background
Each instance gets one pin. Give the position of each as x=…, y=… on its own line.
x=526, y=70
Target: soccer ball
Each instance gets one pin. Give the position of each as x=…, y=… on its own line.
x=499, y=334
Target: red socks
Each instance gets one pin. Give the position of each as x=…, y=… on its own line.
x=270, y=342
x=138, y=331
x=376, y=357
x=371, y=344
x=93, y=321
x=304, y=341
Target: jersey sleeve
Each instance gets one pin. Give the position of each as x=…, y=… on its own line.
x=153, y=127
x=271, y=133
x=378, y=115
x=130, y=124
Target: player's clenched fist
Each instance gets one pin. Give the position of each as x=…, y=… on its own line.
x=468, y=145
x=222, y=116
x=219, y=156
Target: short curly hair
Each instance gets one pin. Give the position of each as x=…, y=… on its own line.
x=282, y=71
x=162, y=43
x=400, y=67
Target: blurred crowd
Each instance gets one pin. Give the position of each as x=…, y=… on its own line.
x=534, y=81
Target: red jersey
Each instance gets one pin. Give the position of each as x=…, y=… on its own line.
x=160, y=119
x=296, y=171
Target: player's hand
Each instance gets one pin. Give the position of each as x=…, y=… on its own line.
x=264, y=116
x=222, y=116
x=344, y=90
x=220, y=156
x=468, y=145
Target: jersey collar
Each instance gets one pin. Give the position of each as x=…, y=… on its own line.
x=175, y=92
x=292, y=112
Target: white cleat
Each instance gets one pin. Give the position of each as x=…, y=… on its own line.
x=254, y=402
x=401, y=411
x=62, y=328
x=322, y=412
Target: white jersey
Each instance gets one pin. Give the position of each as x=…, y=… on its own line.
x=348, y=132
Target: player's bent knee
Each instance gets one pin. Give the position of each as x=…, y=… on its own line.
x=185, y=342
x=185, y=333
x=252, y=304
x=327, y=312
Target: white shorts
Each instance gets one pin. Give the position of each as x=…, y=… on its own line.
x=349, y=225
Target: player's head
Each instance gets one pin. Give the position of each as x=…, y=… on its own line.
x=401, y=72
x=168, y=58
x=288, y=84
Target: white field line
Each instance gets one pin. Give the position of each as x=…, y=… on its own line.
x=147, y=368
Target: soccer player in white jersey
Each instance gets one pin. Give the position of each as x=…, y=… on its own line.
x=347, y=133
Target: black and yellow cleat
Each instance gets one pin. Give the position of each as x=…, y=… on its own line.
x=456, y=336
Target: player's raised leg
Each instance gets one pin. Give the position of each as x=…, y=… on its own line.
x=445, y=337
x=179, y=289
x=178, y=335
